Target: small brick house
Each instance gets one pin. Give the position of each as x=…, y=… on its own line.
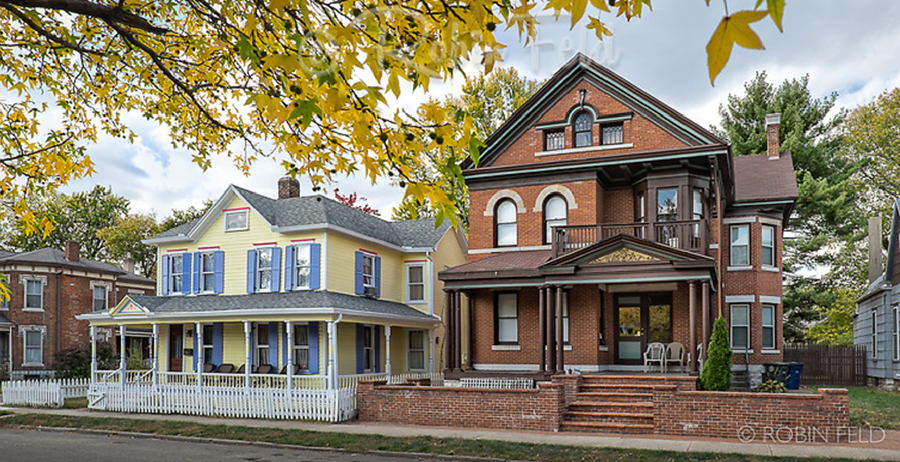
x=602, y=220
x=48, y=288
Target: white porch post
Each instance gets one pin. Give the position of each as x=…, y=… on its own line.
x=198, y=355
x=289, y=325
x=431, y=351
x=122, y=366
x=332, y=355
x=93, y=352
x=248, y=331
x=387, y=355
x=154, y=355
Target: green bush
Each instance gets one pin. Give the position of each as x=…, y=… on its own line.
x=75, y=362
x=134, y=359
x=770, y=386
x=716, y=375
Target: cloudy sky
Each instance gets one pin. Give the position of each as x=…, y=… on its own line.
x=851, y=48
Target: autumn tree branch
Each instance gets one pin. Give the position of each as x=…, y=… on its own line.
x=106, y=13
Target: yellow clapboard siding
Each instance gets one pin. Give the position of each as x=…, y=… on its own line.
x=342, y=267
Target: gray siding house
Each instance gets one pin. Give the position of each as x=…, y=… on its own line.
x=877, y=321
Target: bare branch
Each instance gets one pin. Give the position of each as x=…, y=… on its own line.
x=106, y=13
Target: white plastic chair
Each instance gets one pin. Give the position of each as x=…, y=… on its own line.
x=674, y=354
x=656, y=353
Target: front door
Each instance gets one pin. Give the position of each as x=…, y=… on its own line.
x=176, y=348
x=640, y=320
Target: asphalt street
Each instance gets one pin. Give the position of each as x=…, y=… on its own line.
x=56, y=446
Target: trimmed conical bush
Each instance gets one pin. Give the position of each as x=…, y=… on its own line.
x=716, y=375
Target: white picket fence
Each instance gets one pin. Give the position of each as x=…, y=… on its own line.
x=48, y=393
x=260, y=403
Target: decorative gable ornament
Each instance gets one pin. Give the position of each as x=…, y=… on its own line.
x=129, y=308
x=623, y=255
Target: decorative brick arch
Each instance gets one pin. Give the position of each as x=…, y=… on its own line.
x=504, y=194
x=555, y=189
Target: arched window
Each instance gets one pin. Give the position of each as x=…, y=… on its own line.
x=505, y=228
x=583, y=136
x=556, y=213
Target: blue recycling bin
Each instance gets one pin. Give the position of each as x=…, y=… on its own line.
x=793, y=379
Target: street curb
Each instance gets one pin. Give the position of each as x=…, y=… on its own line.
x=223, y=441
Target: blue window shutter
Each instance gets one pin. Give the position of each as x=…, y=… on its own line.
x=186, y=273
x=359, y=273
x=284, y=343
x=289, y=262
x=197, y=352
x=219, y=271
x=164, y=262
x=196, y=272
x=314, y=348
x=376, y=334
x=360, y=351
x=218, y=338
x=378, y=276
x=273, y=344
x=251, y=271
x=276, y=269
x=315, y=253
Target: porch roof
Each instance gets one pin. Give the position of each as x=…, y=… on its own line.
x=306, y=302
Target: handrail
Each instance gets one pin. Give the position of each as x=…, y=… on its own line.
x=688, y=235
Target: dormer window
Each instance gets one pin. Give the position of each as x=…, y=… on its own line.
x=612, y=134
x=583, y=136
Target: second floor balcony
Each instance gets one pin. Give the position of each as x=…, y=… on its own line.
x=690, y=235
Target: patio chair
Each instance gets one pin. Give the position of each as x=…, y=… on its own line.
x=284, y=369
x=674, y=354
x=225, y=368
x=264, y=369
x=208, y=367
x=700, y=357
x=656, y=353
x=241, y=369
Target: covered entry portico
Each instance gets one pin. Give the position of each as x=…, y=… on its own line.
x=594, y=309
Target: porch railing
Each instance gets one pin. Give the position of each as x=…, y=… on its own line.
x=688, y=235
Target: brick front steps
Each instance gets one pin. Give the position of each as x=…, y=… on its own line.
x=612, y=404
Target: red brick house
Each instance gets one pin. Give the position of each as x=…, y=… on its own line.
x=48, y=288
x=602, y=220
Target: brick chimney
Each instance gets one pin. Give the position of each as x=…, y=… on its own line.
x=773, y=123
x=128, y=264
x=288, y=187
x=875, y=257
x=73, y=251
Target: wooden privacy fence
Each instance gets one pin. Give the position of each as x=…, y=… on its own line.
x=823, y=364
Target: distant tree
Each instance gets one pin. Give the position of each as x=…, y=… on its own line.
x=124, y=240
x=180, y=217
x=716, y=374
x=352, y=200
x=872, y=137
x=836, y=326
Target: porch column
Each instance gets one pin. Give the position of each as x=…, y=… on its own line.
x=387, y=354
x=542, y=315
x=704, y=297
x=470, y=340
x=457, y=330
x=560, y=343
x=198, y=354
x=122, y=366
x=93, y=352
x=431, y=350
x=154, y=354
x=289, y=346
x=332, y=356
x=551, y=343
x=448, y=330
x=692, y=334
x=248, y=335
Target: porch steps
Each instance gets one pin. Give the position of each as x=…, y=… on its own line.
x=612, y=404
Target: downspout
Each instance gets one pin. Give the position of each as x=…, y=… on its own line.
x=59, y=310
x=431, y=277
x=721, y=282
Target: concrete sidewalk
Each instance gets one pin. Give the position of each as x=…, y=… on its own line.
x=889, y=449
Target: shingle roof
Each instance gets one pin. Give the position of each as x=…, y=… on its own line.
x=315, y=210
x=758, y=178
x=530, y=259
x=5, y=254
x=55, y=257
x=275, y=300
x=132, y=277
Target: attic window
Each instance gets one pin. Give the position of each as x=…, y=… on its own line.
x=612, y=134
x=554, y=140
x=237, y=220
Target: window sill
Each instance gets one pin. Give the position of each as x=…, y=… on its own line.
x=600, y=147
x=32, y=364
x=739, y=268
x=771, y=352
x=603, y=348
x=416, y=302
x=771, y=269
x=33, y=310
x=714, y=246
x=741, y=352
x=506, y=347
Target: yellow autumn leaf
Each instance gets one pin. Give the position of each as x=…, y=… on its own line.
x=732, y=29
x=598, y=27
x=776, y=12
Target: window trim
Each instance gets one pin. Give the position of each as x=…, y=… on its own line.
x=212, y=257
x=295, y=266
x=229, y=213
x=409, y=350
x=548, y=134
x=732, y=246
x=875, y=334
x=497, y=318
x=370, y=349
x=497, y=223
x=260, y=269
x=620, y=126
x=773, y=326
x=94, y=299
x=299, y=346
x=732, y=325
x=25, y=347
x=173, y=274
x=763, y=246
x=41, y=283
x=409, y=283
x=368, y=257
x=548, y=237
x=589, y=131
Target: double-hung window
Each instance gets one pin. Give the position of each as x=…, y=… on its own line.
x=262, y=344
x=768, y=246
x=697, y=210
x=507, y=318
x=302, y=266
x=740, y=245
x=207, y=345
x=415, y=282
x=34, y=294
x=416, y=354
x=740, y=327
x=505, y=225
x=874, y=334
x=768, y=327
x=99, y=297
x=583, y=136
x=368, y=270
x=264, y=269
x=565, y=317
x=301, y=346
x=207, y=272
x=175, y=273
x=34, y=347
x=667, y=204
x=556, y=213
x=368, y=349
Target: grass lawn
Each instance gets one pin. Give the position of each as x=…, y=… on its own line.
x=873, y=407
x=75, y=403
x=356, y=442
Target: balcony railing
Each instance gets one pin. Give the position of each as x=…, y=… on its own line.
x=684, y=234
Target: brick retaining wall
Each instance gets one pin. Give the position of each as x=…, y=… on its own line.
x=824, y=416
x=537, y=410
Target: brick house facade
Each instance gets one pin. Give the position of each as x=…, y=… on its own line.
x=603, y=217
x=48, y=288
